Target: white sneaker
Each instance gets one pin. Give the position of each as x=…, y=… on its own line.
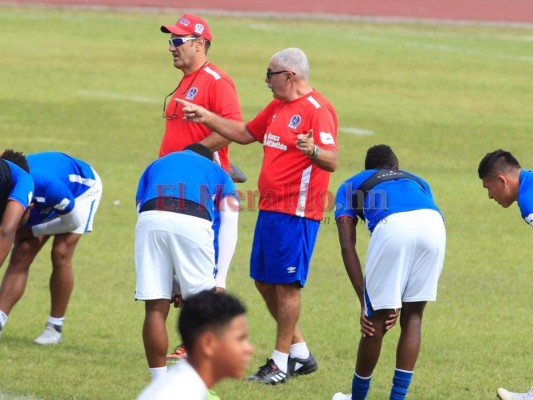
x=504, y=394
x=342, y=396
x=50, y=335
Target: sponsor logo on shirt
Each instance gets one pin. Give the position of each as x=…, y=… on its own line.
x=191, y=93
x=273, y=141
x=327, y=138
x=295, y=121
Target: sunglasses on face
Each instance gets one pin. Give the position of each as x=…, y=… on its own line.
x=178, y=41
x=270, y=73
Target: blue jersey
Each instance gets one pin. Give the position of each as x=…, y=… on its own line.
x=185, y=175
x=59, y=179
x=23, y=186
x=525, y=195
x=384, y=199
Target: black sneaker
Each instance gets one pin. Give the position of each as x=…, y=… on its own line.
x=299, y=366
x=269, y=374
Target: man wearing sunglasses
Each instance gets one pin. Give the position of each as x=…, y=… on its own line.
x=298, y=130
x=203, y=83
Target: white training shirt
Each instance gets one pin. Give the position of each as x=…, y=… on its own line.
x=181, y=382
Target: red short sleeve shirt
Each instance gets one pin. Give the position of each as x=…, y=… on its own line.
x=208, y=87
x=289, y=181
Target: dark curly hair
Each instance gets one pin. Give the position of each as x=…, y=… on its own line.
x=381, y=156
x=17, y=158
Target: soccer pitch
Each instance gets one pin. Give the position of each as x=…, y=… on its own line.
x=92, y=84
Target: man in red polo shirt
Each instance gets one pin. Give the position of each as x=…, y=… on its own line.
x=203, y=83
x=298, y=131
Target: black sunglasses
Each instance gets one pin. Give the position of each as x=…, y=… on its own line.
x=270, y=73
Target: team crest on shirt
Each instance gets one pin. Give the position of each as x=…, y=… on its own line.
x=191, y=93
x=295, y=121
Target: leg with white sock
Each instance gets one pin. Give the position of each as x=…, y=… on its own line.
x=155, y=336
x=61, y=284
x=16, y=275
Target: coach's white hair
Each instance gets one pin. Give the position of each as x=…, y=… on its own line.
x=294, y=60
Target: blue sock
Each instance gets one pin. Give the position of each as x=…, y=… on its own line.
x=400, y=384
x=360, y=387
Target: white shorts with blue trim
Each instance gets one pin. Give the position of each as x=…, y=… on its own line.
x=405, y=259
x=171, y=246
x=85, y=207
x=88, y=203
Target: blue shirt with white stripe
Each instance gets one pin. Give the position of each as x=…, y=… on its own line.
x=525, y=195
x=384, y=199
x=185, y=175
x=23, y=186
x=59, y=179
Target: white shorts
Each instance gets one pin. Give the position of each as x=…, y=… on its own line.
x=85, y=207
x=88, y=203
x=172, y=246
x=405, y=259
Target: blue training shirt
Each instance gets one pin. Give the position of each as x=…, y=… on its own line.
x=384, y=199
x=185, y=175
x=59, y=179
x=23, y=186
x=525, y=195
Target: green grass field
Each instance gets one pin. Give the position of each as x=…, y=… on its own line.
x=92, y=84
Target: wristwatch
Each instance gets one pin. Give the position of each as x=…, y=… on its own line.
x=316, y=150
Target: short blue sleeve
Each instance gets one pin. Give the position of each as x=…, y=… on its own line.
x=23, y=186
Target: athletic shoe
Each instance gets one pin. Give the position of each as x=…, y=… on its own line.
x=504, y=394
x=236, y=174
x=269, y=374
x=341, y=396
x=300, y=366
x=178, y=354
x=50, y=335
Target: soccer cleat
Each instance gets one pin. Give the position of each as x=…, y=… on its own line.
x=299, y=366
x=269, y=374
x=341, y=396
x=178, y=354
x=504, y=394
x=50, y=335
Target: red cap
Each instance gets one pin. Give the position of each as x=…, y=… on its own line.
x=189, y=24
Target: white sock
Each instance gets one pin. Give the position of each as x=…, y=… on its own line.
x=3, y=319
x=156, y=372
x=56, y=321
x=281, y=360
x=299, y=350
